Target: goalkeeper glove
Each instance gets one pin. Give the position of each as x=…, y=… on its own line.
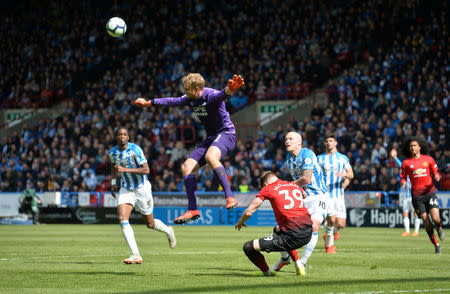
x=141, y=102
x=235, y=83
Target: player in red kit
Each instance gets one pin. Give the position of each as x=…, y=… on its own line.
x=421, y=168
x=294, y=228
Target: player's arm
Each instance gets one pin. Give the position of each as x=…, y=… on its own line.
x=435, y=171
x=305, y=179
x=248, y=213
x=142, y=170
x=394, y=156
x=167, y=101
x=114, y=176
x=233, y=85
x=347, y=177
x=403, y=175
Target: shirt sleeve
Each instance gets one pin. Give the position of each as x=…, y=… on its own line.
x=347, y=163
x=308, y=162
x=263, y=193
x=140, y=156
x=433, y=167
x=398, y=162
x=404, y=172
x=170, y=101
x=217, y=97
x=111, y=157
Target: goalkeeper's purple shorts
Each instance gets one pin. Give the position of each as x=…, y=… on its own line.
x=224, y=141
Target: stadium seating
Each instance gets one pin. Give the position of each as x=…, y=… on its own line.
x=390, y=85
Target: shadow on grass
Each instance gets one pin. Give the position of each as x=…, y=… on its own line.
x=65, y=262
x=115, y=273
x=301, y=282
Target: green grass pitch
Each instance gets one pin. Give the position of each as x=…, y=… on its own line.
x=88, y=259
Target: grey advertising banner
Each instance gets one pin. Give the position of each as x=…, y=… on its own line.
x=385, y=217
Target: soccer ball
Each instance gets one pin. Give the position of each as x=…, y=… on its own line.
x=116, y=27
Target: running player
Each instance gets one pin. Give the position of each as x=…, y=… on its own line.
x=294, y=222
x=129, y=162
x=208, y=104
x=306, y=172
x=421, y=169
x=337, y=173
x=405, y=202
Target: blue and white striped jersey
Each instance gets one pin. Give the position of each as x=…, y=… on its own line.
x=306, y=159
x=131, y=157
x=406, y=192
x=330, y=164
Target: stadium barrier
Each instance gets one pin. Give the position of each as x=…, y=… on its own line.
x=364, y=208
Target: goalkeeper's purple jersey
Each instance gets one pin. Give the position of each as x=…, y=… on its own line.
x=210, y=109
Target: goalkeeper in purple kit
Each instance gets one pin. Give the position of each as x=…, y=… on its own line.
x=209, y=105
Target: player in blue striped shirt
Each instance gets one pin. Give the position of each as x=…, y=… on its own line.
x=128, y=162
x=306, y=172
x=405, y=201
x=337, y=173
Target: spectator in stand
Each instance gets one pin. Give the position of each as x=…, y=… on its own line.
x=406, y=83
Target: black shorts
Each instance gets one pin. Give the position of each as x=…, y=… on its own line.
x=424, y=203
x=285, y=241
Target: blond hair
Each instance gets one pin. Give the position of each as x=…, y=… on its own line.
x=193, y=80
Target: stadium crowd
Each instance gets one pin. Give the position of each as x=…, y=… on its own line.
x=399, y=86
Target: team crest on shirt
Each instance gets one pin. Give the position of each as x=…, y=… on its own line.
x=200, y=110
x=425, y=164
x=330, y=167
x=121, y=162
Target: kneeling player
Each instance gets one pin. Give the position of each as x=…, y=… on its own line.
x=294, y=228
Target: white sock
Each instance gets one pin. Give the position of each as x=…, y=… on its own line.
x=284, y=254
x=128, y=233
x=335, y=231
x=416, y=225
x=297, y=263
x=329, y=238
x=160, y=226
x=406, y=224
x=309, y=248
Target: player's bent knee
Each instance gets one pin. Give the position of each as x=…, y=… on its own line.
x=249, y=249
x=315, y=225
x=212, y=159
x=151, y=225
x=185, y=170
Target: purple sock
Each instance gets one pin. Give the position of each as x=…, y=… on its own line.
x=221, y=176
x=190, y=183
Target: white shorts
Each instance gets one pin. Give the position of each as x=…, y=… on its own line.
x=407, y=205
x=141, y=198
x=336, y=207
x=317, y=206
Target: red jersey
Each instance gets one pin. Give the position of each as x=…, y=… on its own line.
x=287, y=203
x=420, y=172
